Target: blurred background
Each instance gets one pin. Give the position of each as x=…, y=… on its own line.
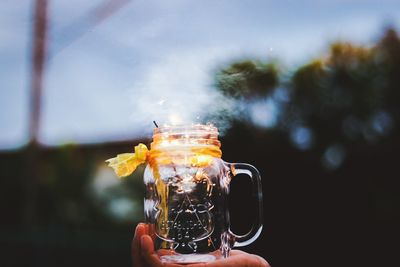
x=307, y=91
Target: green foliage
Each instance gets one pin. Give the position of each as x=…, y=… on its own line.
x=352, y=84
x=247, y=79
x=349, y=96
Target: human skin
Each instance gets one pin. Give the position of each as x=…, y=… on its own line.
x=143, y=255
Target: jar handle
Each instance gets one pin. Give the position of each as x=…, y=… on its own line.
x=252, y=172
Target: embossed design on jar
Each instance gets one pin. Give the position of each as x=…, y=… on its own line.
x=189, y=217
x=189, y=222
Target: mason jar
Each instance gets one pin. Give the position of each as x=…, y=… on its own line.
x=186, y=195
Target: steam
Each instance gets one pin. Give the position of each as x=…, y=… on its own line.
x=179, y=90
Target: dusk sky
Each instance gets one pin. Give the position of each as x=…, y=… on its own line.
x=154, y=60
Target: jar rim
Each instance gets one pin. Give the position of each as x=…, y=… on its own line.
x=186, y=128
x=192, y=138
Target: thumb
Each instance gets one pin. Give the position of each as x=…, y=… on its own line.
x=147, y=245
x=147, y=251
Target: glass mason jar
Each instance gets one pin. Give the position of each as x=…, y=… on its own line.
x=186, y=195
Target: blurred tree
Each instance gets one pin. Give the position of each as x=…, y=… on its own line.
x=247, y=79
x=241, y=83
x=387, y=55
x=347, y=98
x=330, y=164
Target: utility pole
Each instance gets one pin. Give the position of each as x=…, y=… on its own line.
x=39, y=55
x=39, y=46
x=39, y=41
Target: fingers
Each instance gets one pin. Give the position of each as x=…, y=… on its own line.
x=235, y=252
x=143, y=254
x=263, y=262
x=135, y=247
x=197, y=265
x=146, y=244
x=147, y=251
x=254, y=260
x=163, y=252
x=237, y=258
x=149, y=255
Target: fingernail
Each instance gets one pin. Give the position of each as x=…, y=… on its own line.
x=138, y=228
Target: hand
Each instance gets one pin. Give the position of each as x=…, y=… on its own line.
x=143, y=254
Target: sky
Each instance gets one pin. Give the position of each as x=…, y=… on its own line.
x=154, y=60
